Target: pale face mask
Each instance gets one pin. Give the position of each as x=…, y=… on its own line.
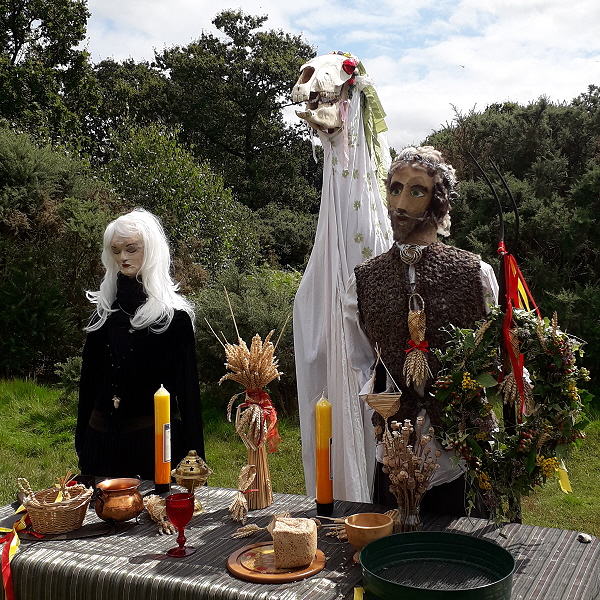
x=128, y=253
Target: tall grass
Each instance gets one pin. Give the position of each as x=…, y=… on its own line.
x=36, y=436
x=36, y=442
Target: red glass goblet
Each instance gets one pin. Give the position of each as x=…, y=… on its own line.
x=180, y=508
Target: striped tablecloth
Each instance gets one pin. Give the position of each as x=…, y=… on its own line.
x=131, y=564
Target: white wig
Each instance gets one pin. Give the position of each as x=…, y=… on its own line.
x=163, y=299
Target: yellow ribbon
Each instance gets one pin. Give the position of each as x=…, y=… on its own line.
x=18, y=526
x=563, y=478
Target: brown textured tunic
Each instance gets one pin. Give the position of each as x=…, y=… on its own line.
x=449, y=281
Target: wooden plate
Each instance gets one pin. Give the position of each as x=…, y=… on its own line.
x=257, y=563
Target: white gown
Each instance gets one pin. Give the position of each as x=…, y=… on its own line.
x=331, y=350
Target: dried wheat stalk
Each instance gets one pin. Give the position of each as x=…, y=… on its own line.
x=238, y=509
x=255, y=420
x=254, y=368
x=511, y=395
x=416, y=368
x=263, y=496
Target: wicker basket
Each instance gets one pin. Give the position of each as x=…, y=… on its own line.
x=48, y=516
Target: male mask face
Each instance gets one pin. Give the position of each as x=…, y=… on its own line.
x=320, y=86
x=408, y=198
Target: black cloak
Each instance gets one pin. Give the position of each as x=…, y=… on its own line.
x=122, y=370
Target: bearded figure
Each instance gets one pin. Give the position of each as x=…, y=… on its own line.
x=420, y=273
x=347, y=120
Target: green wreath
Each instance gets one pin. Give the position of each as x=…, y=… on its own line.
x=509, y=462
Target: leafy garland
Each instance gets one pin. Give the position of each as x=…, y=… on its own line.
x=508, y=463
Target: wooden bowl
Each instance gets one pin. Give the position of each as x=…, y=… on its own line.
x=367, y=527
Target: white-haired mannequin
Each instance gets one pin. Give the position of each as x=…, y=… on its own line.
x=163, y=298
x=140, y=337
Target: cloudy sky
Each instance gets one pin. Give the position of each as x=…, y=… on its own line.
x=427, y=57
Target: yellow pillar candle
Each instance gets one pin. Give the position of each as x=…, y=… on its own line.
x=162, y=439
x=324, y=479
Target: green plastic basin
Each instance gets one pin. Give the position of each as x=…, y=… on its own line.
x=435, y=565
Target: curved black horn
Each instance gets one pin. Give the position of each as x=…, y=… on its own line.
x=500, y=211
x=512, y=201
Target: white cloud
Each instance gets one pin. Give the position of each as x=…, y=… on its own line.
x=508, y=49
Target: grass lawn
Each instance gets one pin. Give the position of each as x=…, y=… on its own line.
x=580, y=510
x=36, y=442
x=36, y=436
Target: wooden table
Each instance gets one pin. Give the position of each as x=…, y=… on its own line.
x=130, y=563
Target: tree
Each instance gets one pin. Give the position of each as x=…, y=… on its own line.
x=207, y=226
x=132, y=95
x=46, y=82
x=52, y=215
x=549, y=156
x=227, y=95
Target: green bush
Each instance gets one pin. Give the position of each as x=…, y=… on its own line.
x=261, y=300
x=52, y=213
x=152, y=170
x=33, y=321
x=69, y=374
x=286, y=236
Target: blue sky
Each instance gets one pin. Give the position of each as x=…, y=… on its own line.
x=426, y=57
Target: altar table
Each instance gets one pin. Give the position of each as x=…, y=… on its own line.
x=130, y=563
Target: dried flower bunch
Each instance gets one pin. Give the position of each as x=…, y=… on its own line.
x=410, y=468
x=508, y=462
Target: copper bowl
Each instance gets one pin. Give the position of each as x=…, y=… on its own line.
x=118, y=499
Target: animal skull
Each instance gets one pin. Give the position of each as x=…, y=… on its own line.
x=320, y=86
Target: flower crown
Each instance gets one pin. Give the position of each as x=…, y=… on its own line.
x=349, y=65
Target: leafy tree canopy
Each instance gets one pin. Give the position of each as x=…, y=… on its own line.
x=152, y=170
x=227, y=94
x=46, y=83
x=133, y=95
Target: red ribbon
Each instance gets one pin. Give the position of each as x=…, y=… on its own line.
x=269, y=413
x=6, y=573
x=420, y=346
x=517, y=296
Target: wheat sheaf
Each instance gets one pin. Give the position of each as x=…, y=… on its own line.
x=254, y=368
